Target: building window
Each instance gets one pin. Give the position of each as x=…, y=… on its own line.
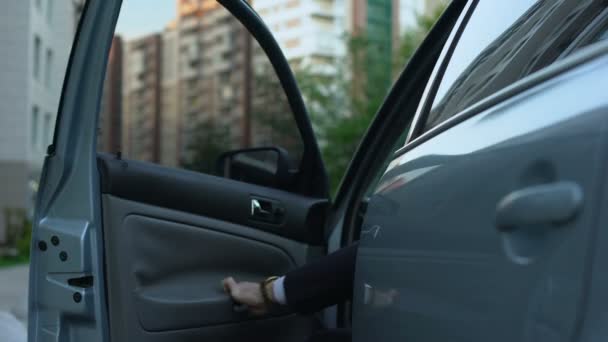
x=48, y=71
x=292, y=43
x=46, y=134
x=37, y=51
x=293, y=4
x=293, y=23
x=34, y=132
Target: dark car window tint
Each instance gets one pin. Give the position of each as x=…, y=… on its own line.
x=596, y=32
x=504, y=42
x=603, y=35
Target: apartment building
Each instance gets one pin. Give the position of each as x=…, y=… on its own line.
x=213, y=63
x=206, y=68
x=226, y=48
x=310, y=32
x=170, y=100
x=188, y=62
x=110, y=116
x=142, y=98
x=36, y=37
x=377, y=21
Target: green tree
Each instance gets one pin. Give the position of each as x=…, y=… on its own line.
x=342, y=104
x=209, y=140
x=412, y=38
x=19, y=237
x=272, y=122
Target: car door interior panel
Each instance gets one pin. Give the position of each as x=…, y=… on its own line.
x=167, y=261
x=297, y=217
x=164, y=275
x=153, y=243
x=175, y=290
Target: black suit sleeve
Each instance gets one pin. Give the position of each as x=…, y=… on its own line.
x=322, y=283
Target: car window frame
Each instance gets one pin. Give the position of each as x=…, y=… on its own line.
x=403, y=98
x=311, y=178
x=312, y=164
x=572, y=57
x=590, y=30
x=436, y=77
x=559, y=67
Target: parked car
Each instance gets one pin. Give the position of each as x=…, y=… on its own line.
x=477, y=195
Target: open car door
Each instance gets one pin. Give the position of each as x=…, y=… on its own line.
x=127, y=249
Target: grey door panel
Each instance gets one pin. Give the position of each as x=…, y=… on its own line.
x=177, y=284
x=68, y=196
x=459, y=275
x=205, y=195
x=277, y=329
x=594, y=326
x=165, y=268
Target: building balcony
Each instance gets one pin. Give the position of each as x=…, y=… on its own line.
x=324, y=8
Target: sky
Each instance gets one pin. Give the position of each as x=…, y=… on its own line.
x=141, y=17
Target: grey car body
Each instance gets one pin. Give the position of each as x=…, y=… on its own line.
x=486, y=223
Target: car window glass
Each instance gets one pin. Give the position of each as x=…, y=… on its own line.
x=602, y=36
x=504, y=42
x=596, y=32
x=602, y=31
x=345, y=55
x=186, y=82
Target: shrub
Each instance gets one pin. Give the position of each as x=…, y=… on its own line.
x=25, y=240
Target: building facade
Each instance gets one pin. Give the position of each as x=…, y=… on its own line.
x=142, y=98
x=378, y=23
x=311, y=33
x=41, y=33
x=204, y=68
x=213, y=63
x=110, y=116
x=170, y=104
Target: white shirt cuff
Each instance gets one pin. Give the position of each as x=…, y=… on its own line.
x=278, y=290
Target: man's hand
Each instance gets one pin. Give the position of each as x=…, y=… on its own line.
x=246, y=293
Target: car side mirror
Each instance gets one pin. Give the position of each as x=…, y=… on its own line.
x=267, y=166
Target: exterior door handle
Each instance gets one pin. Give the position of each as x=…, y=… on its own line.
x=555, y=203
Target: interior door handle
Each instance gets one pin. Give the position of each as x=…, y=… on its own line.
x=267, y=210
x=239, y=308
x=554, y=203
x=258, y=210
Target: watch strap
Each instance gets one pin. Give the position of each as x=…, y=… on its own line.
x=264, y=289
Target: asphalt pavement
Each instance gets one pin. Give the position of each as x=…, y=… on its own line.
x=13, y=303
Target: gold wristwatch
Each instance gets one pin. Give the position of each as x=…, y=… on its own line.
x=264, y=288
